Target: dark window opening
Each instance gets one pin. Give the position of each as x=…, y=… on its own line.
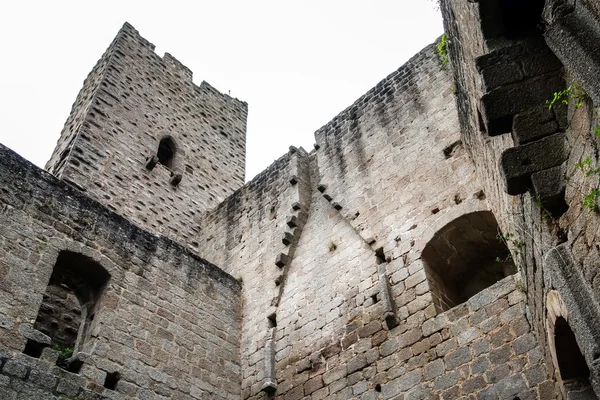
x=33, y=348
x=166, y=152
x=112, y=378
x=380, y=256
x=574, y=371
x=464, y=258
x=70, y=301
x=513, y=19
x=272, y=318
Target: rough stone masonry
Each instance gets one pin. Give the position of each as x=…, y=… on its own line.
x=439, y=242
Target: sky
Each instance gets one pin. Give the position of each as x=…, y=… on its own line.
x=296, y=63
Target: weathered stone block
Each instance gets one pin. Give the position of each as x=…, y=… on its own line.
x=533, y=124
x=518, y=163
x=549, y=185
x=499, y=106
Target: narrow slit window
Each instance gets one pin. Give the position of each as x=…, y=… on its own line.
x=166, y=152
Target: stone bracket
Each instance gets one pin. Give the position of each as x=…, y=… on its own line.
x=389, y=306
x=270, y=382
x=519, y=163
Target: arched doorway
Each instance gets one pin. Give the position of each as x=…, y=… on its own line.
x=465, y=257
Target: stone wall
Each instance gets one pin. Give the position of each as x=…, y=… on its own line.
x=391, y=173
x=526, y=215
x=167, y=325
x=329, y=245
x=394, y=160
x=132, y=99
x=374, y=267
x=253, y=234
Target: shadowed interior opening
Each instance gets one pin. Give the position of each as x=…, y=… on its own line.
x=465, y=257
x=574, y=371
x=166, y=152
x=70, y=299
x=512, y=19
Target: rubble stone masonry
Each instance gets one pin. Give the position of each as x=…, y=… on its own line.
x=439, y=242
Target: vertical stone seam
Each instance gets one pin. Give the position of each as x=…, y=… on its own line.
x=300, y=206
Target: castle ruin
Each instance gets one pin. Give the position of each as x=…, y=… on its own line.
x=439, y=242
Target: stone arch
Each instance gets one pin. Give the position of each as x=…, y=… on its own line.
x=445, y=217
x=166, y=152
x=70, y=300
x=572, y=371
x=465, y=257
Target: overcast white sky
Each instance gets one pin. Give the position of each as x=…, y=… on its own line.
x=297, y=63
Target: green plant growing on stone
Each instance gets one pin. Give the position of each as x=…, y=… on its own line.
x=332, y=246
x=48, y=202
x=544, y=213
x=574, y=92
x=65, y=352
x=586, y=167
x=87, y=220
x=590, y=200
x=510, y=240
x=442, y=49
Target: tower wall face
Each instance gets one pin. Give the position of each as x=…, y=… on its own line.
x=130, y=102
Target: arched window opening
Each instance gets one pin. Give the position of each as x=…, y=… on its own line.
x=512, y=19
x=166, y=152
x=70, y=300
x=465, y=257
x=573, y=369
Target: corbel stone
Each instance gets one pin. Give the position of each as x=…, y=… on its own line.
x=282, y=260
x=549, y=186
x=288, y=238
x=176, y=179
x=270, y=383
x=389, y=307
x=151, y=162
x=518, y=163
x=28, y=332
x=292, y=221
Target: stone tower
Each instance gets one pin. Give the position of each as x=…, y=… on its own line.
x=143, y=139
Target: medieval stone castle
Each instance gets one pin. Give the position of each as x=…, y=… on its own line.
x=441, y=241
